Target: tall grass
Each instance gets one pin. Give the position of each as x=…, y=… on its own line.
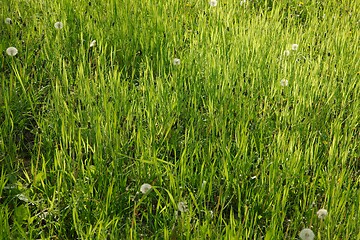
x=82, y=128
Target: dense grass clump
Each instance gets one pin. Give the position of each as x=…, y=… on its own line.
x=179, y=119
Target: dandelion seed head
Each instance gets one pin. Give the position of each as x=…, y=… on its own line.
x=306, y=234
x=322, y=213
x=286, y=52
x=176, y=61
x=284, y=82
x=182, y=207
x=203, y=184
x=93, y=43
x=8, y=21
x=11, y=51
x=213, y=3
x=294, y=47
x=145, y=188
x=242, y=2
x=58, y=25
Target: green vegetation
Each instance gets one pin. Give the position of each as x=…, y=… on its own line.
x=247, y=139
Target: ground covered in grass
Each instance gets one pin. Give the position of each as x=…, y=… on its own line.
x=190, y=119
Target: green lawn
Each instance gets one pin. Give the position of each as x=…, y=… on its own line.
x=242, y=119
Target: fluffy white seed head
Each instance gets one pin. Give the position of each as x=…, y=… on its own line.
x=176, y=61
x=213, y=3
x=307, y=234
x=286, y=52
x=11, y=51
x=58, y=25
x=8, y=20
x=93, y=43
x=284, y=82
x=182, y=207
x=145, y=188
x=322, y=213
x=294, y=47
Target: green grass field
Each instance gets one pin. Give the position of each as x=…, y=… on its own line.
x=243, y=119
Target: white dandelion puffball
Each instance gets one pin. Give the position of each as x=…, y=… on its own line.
x=11, y=51
x=322, y=213
x=8, y=20
x=286, y=52
x=176, y=61
x=145, y=188
x=284, y=82
x=58, y=25
x=242, y=2
x=93, y=43
x=182, y=207
x=306, y=234
x=294, y=47
x=213, y=3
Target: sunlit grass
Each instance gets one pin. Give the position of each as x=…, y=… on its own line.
x=179, y=120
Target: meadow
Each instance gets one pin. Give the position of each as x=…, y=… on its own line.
x=188, y=119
